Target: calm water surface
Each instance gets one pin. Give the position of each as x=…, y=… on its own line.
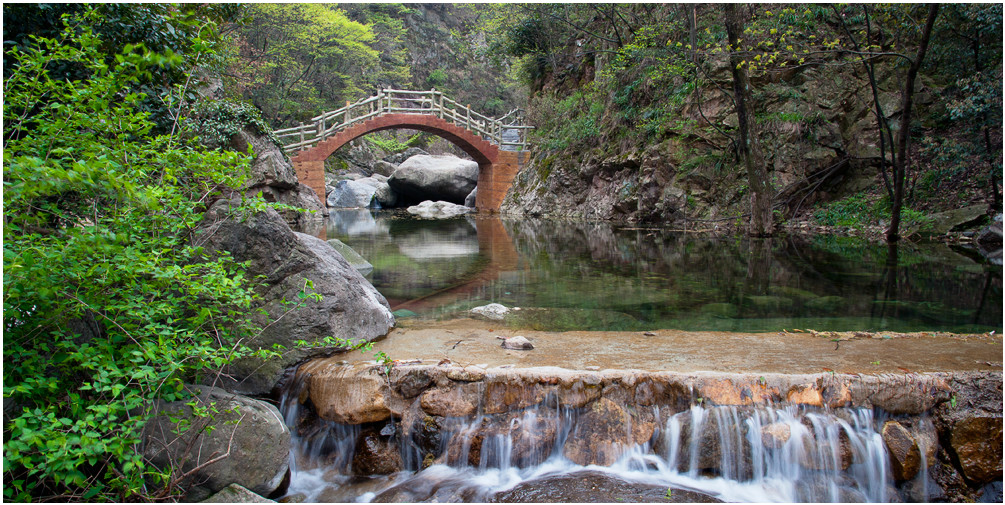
x=573, y=275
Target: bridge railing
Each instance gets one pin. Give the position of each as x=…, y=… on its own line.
x=507, y=131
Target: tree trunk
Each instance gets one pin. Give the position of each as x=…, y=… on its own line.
x=904, y=135
x=757, y=174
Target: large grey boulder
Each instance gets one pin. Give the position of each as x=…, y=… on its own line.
x=469, y=201
x=427, y=177
x=383, y=194
x=273, y=176
x=243, y=440
x=351, y=194
x=381, y=167
x=438, y=210
x=350, y=306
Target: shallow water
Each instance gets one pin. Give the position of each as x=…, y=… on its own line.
x=598, y=276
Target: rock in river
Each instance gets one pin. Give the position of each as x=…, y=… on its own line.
x=492, y=312
x=438, y=210
x=427, y=177
x=249, y=433
x=350, y=306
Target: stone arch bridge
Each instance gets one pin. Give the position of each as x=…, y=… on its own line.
x=499, y=145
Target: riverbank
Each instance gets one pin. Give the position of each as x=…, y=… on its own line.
x=795, y=351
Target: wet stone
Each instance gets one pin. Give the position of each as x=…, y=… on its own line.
x=595, y=487
x=375, y=455
x=905, y=456
x=517, y=343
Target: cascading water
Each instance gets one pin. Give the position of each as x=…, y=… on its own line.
x=764, y=453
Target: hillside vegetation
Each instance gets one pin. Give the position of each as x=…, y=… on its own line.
x=636, y=113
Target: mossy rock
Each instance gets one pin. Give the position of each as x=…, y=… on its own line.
x=769, y=303
x=799, y=295
x=943, y=222
x=721, y=310
x=827, y=304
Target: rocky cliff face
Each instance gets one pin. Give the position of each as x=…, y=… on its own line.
x=816, y=128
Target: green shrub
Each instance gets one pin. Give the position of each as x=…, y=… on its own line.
x=107, y=306
x=861, y=210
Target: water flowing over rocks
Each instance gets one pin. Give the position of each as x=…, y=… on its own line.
x=250, y=439
x=481, y=433
x=350, y=307
x=427, y=177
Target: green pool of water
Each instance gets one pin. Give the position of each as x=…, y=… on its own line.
x=596, y=276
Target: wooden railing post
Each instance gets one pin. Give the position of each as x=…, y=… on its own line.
x=301, y=135
x=347, y=112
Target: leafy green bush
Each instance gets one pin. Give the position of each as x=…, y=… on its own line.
x=437, y=78
x=107, y=305
x=215, y=122
x=862, y=210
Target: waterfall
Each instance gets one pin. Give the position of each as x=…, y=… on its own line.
x=762, y=453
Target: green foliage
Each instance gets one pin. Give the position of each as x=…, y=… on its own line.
x=391, y=145
x=298, y=60
x=170, y=30
x=437, y=78
x=572, y=121
x=215, y=122
x=864, y=210
x=107, y=305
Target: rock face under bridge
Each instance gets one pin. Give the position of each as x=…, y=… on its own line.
x=947, y=424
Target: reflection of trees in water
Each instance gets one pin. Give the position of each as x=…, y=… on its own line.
x=825, y=276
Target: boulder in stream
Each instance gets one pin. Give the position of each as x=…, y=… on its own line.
x=358, y=262
x=351, y=194
x=438, y=210
x=491, y=312
x=249, y=441
x=350, y=307
x=427, y=177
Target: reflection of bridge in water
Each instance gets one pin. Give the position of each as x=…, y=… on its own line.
x=495, y=245
x=491, y=244
x=499, y=145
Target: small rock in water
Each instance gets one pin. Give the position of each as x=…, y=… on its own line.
x=774, y=435
x=492, y=311
x=649, y=334
x=592, y=368
x=518, y=343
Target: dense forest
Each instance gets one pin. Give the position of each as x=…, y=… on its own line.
x=119, y=119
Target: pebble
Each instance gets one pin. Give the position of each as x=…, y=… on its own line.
x=519, y=343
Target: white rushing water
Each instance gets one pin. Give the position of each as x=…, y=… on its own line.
x=768, y=453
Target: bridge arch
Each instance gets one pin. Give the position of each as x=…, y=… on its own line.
x=482, y=151
x=479, y=136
